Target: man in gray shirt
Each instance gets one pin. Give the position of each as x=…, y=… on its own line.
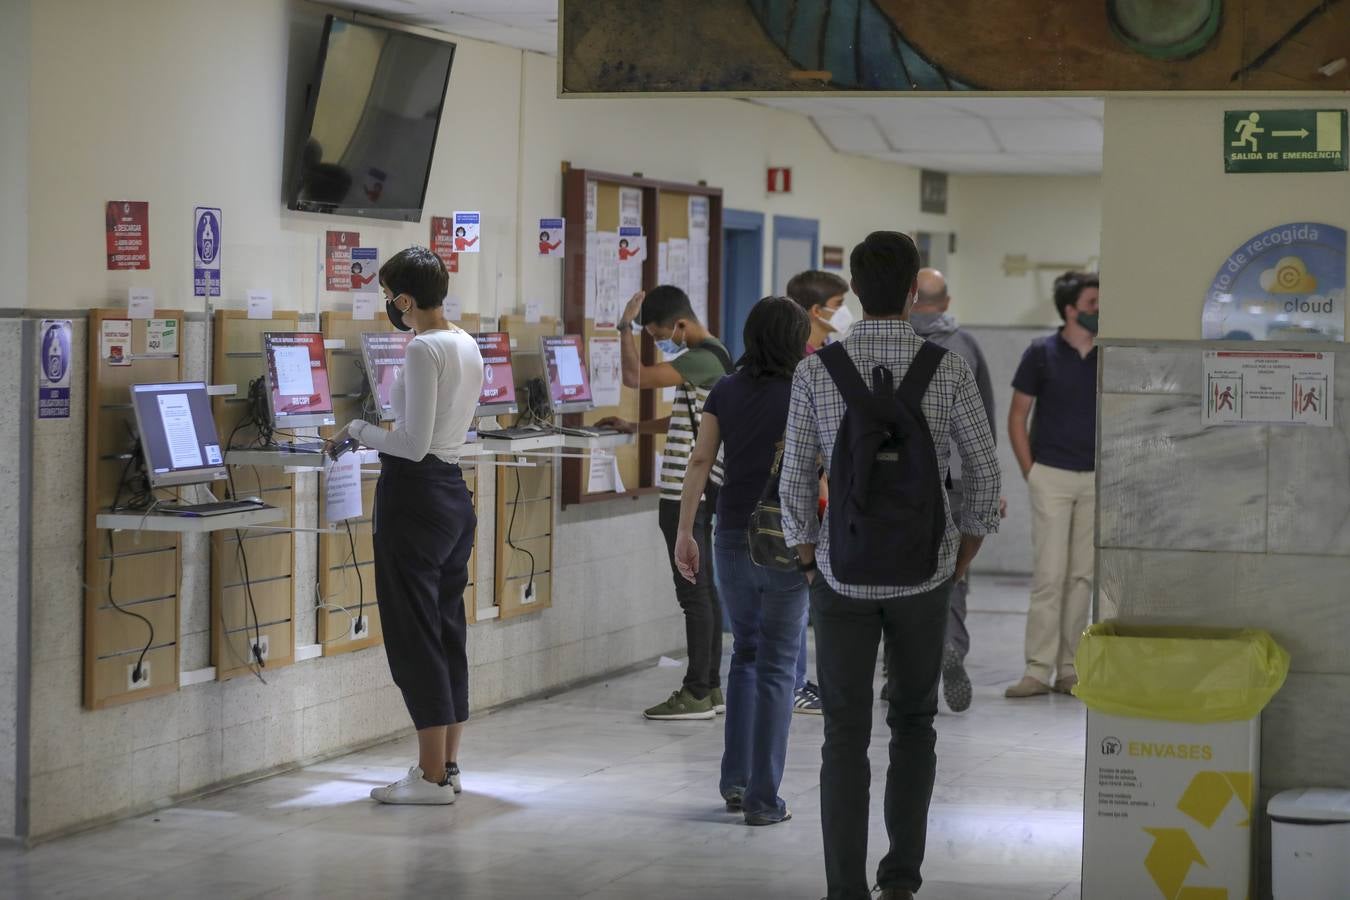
x=932, y=321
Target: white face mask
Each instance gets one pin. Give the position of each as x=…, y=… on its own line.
x=839, y=321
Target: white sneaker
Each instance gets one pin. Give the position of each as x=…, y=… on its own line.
x=414, y=789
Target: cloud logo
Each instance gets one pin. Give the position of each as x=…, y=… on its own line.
x=1289, y=276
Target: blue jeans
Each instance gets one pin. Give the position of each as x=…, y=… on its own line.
x=799, y=681
x=768, y=609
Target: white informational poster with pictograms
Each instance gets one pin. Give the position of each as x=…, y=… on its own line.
x=1268, y=388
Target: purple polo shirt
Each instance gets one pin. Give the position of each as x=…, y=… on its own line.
x=1064, y=383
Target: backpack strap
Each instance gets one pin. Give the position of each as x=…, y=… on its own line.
x=845, y=374
x=920, y=373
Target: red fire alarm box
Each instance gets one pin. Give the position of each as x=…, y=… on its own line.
x=780, y=181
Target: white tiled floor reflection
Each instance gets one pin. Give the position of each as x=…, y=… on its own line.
x=576, y=796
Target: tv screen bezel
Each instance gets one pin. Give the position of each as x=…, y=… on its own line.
x=293, y=201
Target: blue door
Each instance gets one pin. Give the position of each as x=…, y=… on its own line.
x=742, y=273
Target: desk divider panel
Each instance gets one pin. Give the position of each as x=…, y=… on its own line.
x=145, y=567
x=252, y=572
x=525, y=495
x=665, y=215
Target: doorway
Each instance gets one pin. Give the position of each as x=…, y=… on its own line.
x=742, y=273
x=795, y=246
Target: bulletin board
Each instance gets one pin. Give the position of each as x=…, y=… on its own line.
x=665, y=215
x=252, y=572
x=139, y=572
x=525, y=495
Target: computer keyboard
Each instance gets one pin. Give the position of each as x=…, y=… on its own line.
x=300, y=447
x=219, y=508
x=519, y=432
x=589, y=431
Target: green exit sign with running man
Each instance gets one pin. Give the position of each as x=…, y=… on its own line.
x=1284, y=140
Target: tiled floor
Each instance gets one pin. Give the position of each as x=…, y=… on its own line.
x=577, y=796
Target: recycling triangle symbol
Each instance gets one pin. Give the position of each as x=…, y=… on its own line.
x=1174, y=851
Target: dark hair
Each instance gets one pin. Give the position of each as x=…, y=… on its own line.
x=543, y=235
x=814, y=288
x=664, y=304
x=419, y=273
x=775, y=334
x=357, y=267
x=460, y=230
x=1070, y=286
x=884, y=266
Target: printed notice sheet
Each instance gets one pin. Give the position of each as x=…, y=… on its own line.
x=295, y=377
x=342, y=488
x=606, y=371
x=175, y=413
x=1249, y=387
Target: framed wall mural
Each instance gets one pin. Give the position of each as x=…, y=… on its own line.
x=748, y=46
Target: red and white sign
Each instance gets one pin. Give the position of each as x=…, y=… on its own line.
x=780, y=181
x=338, y=266
x=128, y=232
x=443, y=242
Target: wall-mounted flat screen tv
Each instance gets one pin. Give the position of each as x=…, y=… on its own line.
x=371, y=117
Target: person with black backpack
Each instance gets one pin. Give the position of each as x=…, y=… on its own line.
x=880, y=408
x=695, y=361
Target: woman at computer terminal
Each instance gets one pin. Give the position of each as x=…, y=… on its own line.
x=424, y=521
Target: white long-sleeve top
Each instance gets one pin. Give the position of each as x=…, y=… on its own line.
x=434, y=398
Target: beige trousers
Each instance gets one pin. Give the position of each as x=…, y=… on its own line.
x=1063, y=514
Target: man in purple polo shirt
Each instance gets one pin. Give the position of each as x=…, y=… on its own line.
x=1058, y=376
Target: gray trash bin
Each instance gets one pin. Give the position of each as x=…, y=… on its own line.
x=1310, y=843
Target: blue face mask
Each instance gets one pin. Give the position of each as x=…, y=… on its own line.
x=669, y=347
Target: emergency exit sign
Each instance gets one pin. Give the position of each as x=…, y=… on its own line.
x=1284, y=140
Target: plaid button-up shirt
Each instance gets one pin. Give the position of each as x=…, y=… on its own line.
x=955, y=414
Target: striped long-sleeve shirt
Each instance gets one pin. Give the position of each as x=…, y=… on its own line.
x=954, y=412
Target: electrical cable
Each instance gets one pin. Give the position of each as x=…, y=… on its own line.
x=360, y=582
x=112, y=568
x=510, y=540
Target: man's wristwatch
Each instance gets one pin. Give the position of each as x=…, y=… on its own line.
x=805, y=567
x=625, y=327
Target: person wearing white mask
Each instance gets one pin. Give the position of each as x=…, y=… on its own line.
x=821, y=294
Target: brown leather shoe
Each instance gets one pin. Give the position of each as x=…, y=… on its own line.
x=1066, y=684
x=1027, y=687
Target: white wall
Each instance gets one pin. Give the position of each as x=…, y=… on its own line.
x=1046, y=219
x=188, y=102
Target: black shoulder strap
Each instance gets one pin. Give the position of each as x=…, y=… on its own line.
x=921, y=371
x=845, y=374
x=721, y=353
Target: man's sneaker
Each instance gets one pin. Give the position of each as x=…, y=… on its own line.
x=452, y=772
x=682, y=705
x=735, y=802
x=1027, y=687
x=761, y=819
x=718, y=701
x=806, y=700
x=414, y=789
x=955, y=682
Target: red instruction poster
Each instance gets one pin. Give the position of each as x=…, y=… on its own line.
x=338, y=259
x=443, y=242
x=128, y=231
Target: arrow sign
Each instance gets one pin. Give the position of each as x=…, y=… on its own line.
x=1285, y=140
x=1301, y=133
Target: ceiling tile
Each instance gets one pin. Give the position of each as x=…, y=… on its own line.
x=1007, y=107
x=948, y=135
x=852, y=134
x=1078, y=135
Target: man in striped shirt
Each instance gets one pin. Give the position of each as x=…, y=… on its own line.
x=696, y=361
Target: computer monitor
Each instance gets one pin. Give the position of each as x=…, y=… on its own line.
x=384, y=352
x=178, y=434
x=298, y=394
x=569, y=384
x=498, y=397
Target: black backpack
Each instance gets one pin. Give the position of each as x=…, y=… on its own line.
x=887, y=511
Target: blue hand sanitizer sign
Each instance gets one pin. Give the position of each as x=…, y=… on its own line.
x=54, y=370
x=206, y=252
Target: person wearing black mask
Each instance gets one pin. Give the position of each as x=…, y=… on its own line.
x=1058, y=375
x=424, y=521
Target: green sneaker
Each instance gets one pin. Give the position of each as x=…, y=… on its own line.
x=718, y=701
x=682, y=705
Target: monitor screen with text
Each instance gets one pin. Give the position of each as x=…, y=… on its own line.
x=569, y=383
x=297, y=379
x=178, y=433
x=384, y=353
x=499, y=382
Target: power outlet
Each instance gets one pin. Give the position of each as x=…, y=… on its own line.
x=528, y=593
x=361, y=628
x=132, y=683
x=261, y=645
